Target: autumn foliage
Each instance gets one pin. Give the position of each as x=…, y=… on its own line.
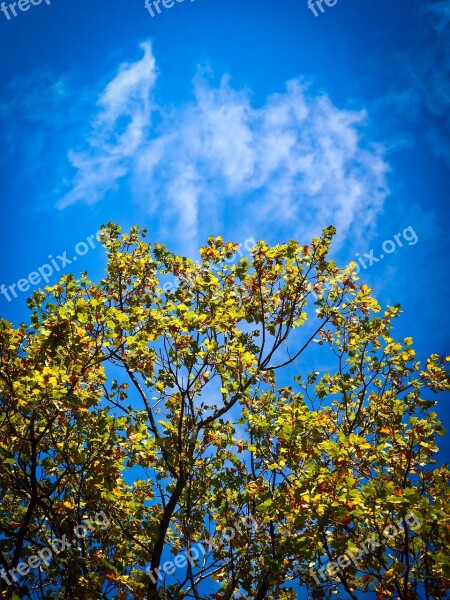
x=271, y=385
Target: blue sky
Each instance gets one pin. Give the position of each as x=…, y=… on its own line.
x=250, y=118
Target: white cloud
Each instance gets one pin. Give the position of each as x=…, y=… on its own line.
x=295, y=164
x=117, y=133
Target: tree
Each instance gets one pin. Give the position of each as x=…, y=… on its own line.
x=189, y=415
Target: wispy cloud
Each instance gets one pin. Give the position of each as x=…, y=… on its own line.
x=297, y=161
x=119, y=129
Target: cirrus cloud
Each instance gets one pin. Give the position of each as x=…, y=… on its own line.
x=297, y=162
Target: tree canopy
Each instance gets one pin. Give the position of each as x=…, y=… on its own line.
x=262, y=408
